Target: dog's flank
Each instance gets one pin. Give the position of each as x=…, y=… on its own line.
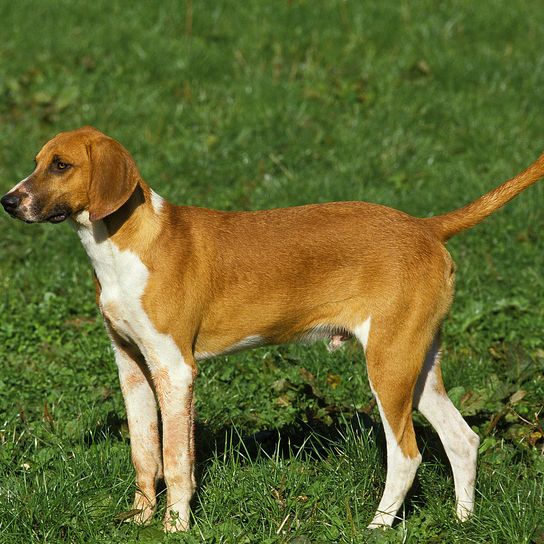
x=178, y=283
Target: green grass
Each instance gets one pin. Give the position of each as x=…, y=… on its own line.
x=418, y=105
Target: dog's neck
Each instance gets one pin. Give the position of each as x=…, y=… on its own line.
x=134, y=226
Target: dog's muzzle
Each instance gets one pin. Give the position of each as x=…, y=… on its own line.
x=12, y=203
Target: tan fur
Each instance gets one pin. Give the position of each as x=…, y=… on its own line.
x=218, y=278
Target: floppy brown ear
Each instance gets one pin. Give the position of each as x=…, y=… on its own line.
x=113, y=177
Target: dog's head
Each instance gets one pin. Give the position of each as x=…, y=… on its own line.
x=80, y=170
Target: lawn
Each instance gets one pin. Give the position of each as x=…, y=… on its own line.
x=419, y=105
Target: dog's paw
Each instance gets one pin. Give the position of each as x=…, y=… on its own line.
x=174, y=522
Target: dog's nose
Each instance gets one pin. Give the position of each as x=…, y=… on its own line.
x=10, y=202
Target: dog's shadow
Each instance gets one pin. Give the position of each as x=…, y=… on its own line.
x=316, y=440
x=312, y=439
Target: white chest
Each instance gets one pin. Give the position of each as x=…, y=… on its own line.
x=123, y=278
x=123, y=283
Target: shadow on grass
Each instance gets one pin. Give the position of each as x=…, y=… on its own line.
x=311, y=438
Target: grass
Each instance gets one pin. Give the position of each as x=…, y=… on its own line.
x=418, y=105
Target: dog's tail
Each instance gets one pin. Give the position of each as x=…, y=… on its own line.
x=450, y=224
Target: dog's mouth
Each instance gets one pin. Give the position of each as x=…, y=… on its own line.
x=58, y=214
x=57, y=217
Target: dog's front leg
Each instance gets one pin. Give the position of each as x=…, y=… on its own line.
x=143, y=423
x=173, y=376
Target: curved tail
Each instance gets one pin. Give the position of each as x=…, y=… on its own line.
x=449, y=224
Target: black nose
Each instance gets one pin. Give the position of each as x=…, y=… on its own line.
x=10, y=202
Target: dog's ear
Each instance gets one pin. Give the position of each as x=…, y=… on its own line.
x=113, y=177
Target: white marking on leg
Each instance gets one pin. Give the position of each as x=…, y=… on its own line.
x=143, y=422
x=173, y=381
x=401, y=471
x=460, y=442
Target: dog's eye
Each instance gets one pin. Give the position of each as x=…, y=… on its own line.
x=59, y=165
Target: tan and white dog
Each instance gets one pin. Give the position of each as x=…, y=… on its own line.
x=177, y=284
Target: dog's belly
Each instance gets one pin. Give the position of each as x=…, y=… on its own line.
x=250, y=341
x=210, y=347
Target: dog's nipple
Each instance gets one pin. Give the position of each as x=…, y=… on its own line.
x=336, y=342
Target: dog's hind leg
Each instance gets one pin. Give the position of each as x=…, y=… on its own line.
x=460, y=442
x=394, y=362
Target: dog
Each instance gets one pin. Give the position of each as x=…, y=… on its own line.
x=178, y=284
